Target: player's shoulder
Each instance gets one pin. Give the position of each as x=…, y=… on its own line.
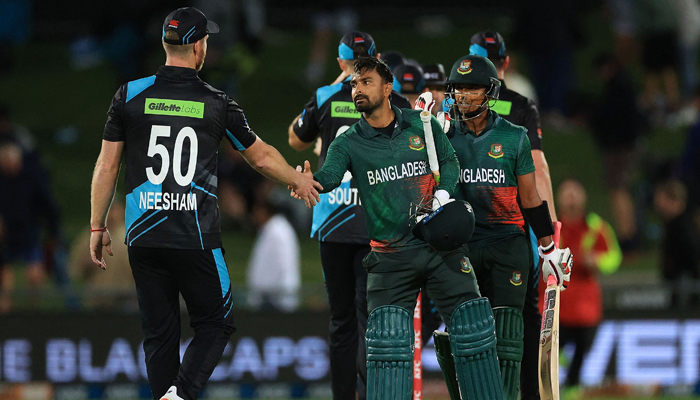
x=326, y=92
x=133, y=88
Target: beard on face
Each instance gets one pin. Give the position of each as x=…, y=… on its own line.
x=368, y=106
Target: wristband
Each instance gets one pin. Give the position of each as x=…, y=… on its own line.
x=539, y=219
x=98, y=229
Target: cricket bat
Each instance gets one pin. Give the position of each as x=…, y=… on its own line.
x=425, y=117
x=549, y=336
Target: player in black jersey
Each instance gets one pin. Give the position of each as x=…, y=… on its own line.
x=339, y=221
x=168, y=127
x=522, y=111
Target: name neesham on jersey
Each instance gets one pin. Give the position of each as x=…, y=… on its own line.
x=394, y=172
x=486, y=175
x=168, y=201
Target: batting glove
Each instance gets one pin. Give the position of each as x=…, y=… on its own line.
x=444, y=120
x=424, y=102
x=557, y=262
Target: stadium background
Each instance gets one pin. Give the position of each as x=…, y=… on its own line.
x=643, y=349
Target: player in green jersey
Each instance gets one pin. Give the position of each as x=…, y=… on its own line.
x=385, y=152
x=497, y=169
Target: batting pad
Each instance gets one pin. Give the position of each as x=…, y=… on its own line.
x=390, y=340
x=473, y=342
x=443, y=353
x=509, y=332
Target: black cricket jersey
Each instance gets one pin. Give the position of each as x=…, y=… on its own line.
x=519, y=110
x=171, y=124
x=339, y=217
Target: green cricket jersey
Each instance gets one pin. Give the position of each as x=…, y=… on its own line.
x=490, y=165
x=392, y=173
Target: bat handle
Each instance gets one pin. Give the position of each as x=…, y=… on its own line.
x=557, y=232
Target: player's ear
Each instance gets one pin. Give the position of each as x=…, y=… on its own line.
x=341, y=64
x=506, y=62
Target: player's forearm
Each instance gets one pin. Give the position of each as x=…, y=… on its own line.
x=272, y=164
x=293, y=139
x=449, y=174
x=544, y=181
x=328, y=178
x=104, y=183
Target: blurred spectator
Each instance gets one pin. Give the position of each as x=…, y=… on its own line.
x=331, y=17
x=518, y=82
x=274, y=277
x=688, y=16
x=25, y=203
x=657, y=27
x=10, y=131
x=113, y=287
x=690, y=160
x=681, y=244
x=392, y=58
x=615, y=124
x=624, y=26
x=434, y=76
x=548, y=31
x=238, y=185
x=409, y=81
x=596, y=251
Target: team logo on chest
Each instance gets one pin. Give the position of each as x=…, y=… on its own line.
x=465, y=67
x=516, y=279
x=416, y=143
x=496, y=150
x=466, y=265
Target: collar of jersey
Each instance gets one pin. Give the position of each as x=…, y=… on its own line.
x=367, y=131
x=492, y=122
x=177, y=73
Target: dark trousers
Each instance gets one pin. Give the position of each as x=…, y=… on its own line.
x=201, y=276
x=582, y=337
x=346, y=284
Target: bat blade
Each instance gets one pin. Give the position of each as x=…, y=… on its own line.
x=549, y=336
x=426, y=117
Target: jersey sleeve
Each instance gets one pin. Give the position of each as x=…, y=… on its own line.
x=524, y=164
x=447, y=158
x=114, y=127
x=238, y=131
x=306, y=126
x=337, y=162
x=532, y=124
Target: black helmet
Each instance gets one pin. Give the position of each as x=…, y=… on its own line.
x=448, y=227
x=473, y=70
x=476, y=70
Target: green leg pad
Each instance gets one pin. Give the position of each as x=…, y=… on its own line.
x=389, y=342
x=509, y=332
x=473, y=342
x=443, y=352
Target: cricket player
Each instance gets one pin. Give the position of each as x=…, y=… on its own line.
x=339, y=220
x=385, y=152
x=496, y=166
x=522, y=111
x=168, y=128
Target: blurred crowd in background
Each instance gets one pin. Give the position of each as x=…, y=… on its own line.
x=647, y=82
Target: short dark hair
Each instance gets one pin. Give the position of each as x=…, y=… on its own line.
x=369, y=64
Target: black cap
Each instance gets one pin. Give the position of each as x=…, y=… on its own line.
x=356, y=44
x=434, y=74
x=190, y=24
x=488, y=44
x=393, y=59
x=448, y=227
x=408, y=79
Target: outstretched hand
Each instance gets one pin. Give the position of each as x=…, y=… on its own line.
x=305, y=187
